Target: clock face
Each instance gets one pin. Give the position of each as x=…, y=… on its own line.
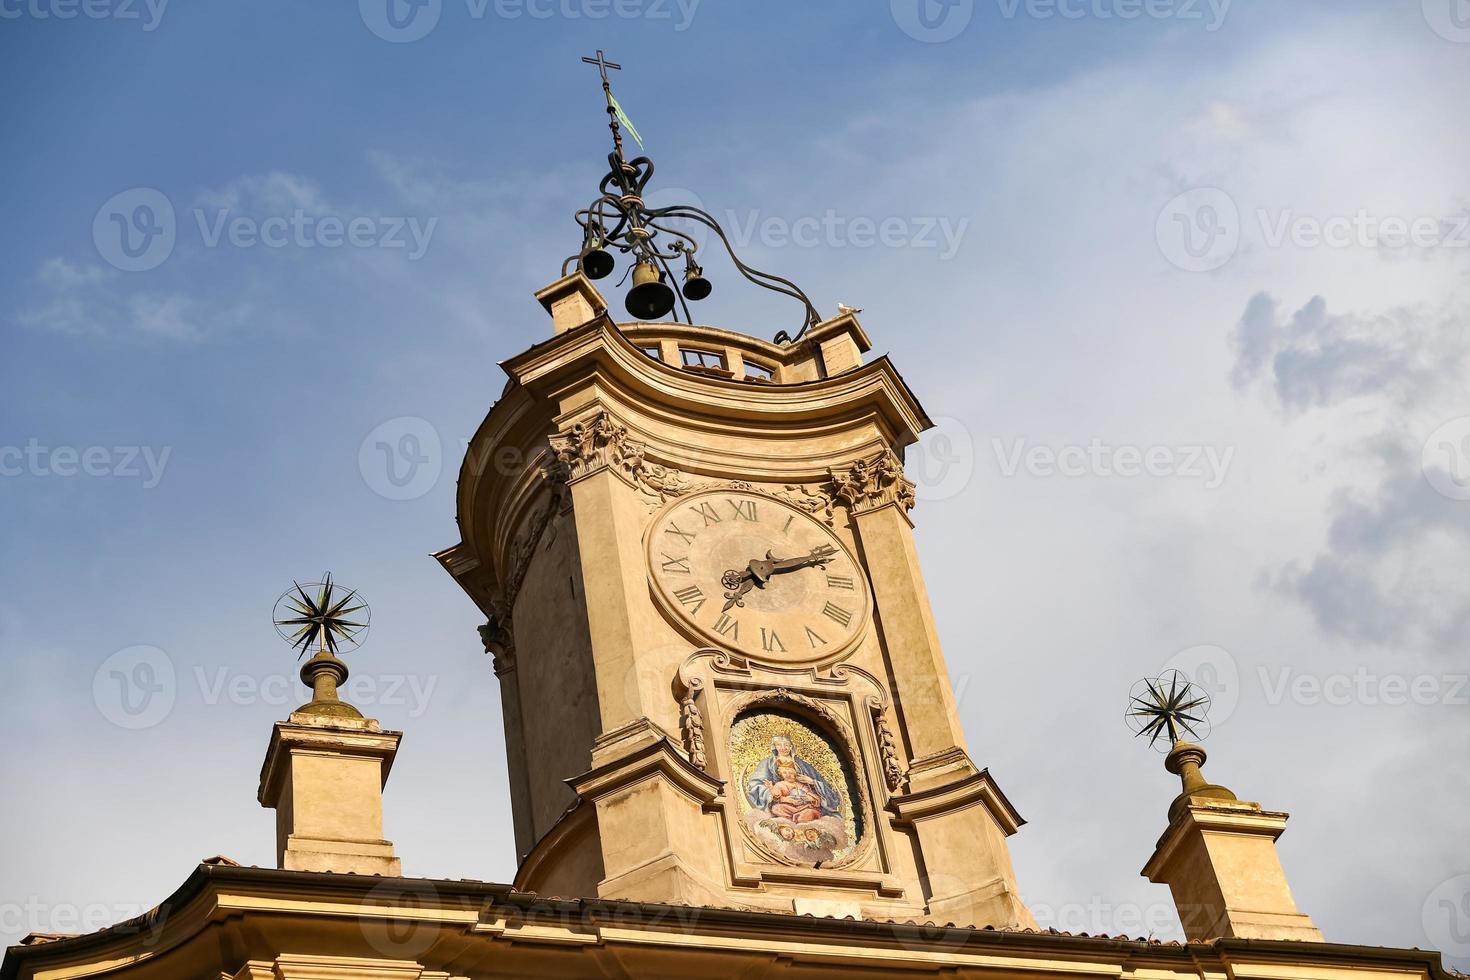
x=758, y=577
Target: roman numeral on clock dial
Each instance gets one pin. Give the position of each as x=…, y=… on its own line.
x=676, y=532
x=692, y=598
x=837, y=614
x=744, y=509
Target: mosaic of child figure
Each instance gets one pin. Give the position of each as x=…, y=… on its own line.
x=795, y=809
x=788, y=786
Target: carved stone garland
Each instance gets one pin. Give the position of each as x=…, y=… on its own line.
x=600, y=441
x=893, y=771
x=691, y=724
x=689, y=689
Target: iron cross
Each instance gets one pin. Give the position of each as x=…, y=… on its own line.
x=603, y=65
x=612, y=111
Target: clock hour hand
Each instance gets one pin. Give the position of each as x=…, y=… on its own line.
x=736, y=584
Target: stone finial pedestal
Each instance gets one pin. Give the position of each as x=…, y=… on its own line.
x=572, y=301
x=323, y=775
x=1219, y=859
x=842, y=343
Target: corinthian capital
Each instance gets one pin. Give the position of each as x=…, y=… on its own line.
x=500, y=643
x=593, y=444
x=871, y=483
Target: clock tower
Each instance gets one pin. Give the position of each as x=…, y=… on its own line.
x=721, y=679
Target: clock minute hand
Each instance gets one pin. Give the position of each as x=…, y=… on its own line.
x=760, y=570
x=820, y=556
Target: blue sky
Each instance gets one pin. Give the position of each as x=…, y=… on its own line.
x=1036, y=171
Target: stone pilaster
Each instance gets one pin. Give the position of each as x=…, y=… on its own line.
x=962, y=820
x=656, y=844
x=958, y=814
x=879, y=497
x=608, y=527
x=499, y=641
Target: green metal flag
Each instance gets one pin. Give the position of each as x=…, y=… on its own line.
x=623, y=118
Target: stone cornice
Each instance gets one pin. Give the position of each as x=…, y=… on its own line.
x=977, y=788
x=639, y=750
x=1219, y=816
x=791, y=434
x=548, y=368
x=219, y=912
x=342, y=737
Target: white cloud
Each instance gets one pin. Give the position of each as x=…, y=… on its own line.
x=62, y=275
x=276, y=192
x=1060, y=318
x=207, y=286
x=92, y=301
x=1393, y=572
x=1317, y=359
x=1396, y=550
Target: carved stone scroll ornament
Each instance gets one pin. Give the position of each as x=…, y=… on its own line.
x=525, y=544
x=689, y=689
x=872, y=483
x=893, y=771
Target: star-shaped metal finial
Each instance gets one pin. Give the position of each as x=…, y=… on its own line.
x=318, y=613
x=1168, y=707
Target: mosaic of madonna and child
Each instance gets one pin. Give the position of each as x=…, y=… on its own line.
x=798, y=792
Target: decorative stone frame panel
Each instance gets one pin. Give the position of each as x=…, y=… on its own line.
x=826, y=721
x=846, y=704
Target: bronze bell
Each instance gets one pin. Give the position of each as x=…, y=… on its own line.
x=650, y=298
x=696, y=286
x=596, y=262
